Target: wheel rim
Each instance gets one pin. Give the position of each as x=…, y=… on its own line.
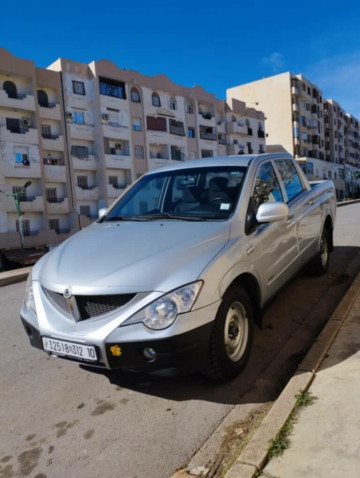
x=236, y=331
x=324, y=253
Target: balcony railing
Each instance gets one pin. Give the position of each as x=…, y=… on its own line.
x=208, y=135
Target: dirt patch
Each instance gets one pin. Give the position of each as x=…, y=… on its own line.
x=235, y=438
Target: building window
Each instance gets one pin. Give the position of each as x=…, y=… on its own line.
x=207, y=153
x=82, y=182
x=136, y=124
x=139, y=152
x=249, y=147
x=51, y=195
x=135, y=95
x=112, y=88
x=78, y=88
x=189, y=107
x=78, y=117
x=155, y=99
x=80, y=151
x=85, y=211
x=172, y=103
x=113, y=181
x=22, y=159
x=43, y=99
x=25, y=227
x=46, y=131
x=191, y=132
x=54, y=225
x=10, y=89
x=156, y=124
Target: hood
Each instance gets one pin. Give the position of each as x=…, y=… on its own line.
x=133, y=256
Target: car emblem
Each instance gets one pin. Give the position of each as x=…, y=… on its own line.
x=67, y=293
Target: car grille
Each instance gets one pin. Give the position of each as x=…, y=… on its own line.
x=88, y=306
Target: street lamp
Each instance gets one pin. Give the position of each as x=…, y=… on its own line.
x=17, y=197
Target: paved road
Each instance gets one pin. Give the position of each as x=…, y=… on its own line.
x=58, y=420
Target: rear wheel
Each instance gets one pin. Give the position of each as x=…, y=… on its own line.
x=231, y=337
x=320, y=263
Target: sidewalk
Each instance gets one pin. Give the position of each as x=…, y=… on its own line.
x=325, y=440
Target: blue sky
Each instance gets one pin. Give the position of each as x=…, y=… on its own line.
x=213, y=44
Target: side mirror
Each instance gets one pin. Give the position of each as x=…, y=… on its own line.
x=102, y=212
x=272, y=211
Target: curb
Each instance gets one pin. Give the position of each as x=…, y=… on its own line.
x=346, y=203
x=14, y=276
x=254, y=456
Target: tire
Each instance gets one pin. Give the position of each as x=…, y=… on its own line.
x=320, y=263
x=231, y=337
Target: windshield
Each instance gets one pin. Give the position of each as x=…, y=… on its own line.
x=185, y=194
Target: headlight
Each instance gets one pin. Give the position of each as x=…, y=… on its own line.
x=29, y=302
x=161, y=313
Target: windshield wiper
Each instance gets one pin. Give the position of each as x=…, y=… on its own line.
x=154, y=217
x=122, y=218
x=166, y=215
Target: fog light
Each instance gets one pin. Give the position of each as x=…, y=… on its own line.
x=149, y=354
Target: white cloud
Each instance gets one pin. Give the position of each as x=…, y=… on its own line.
x=275, y=61
x=338, y=78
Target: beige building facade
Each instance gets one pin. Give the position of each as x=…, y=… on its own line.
x=83, y=133
x=318, y=132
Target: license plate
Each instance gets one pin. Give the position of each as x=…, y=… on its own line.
x=70, y=349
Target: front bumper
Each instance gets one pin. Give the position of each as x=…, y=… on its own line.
x=185, y=352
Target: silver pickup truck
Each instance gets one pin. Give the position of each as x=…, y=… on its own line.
x=175, y=273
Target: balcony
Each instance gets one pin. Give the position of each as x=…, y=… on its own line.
x=115, y=191
x=295, y=107
x=33, y=204
x=176, y=127
x=294, y=90
x=236, y=128
x=82, y=131
x=116, y=131
x=234, y=149
x=208, y=133
x=55, y=173
x=18, y=170
x=60, y=206
x=53, y=142
x=52, y=112
x=222, y=139
x=22, y=102
x=118, y=161
x=85, y=164
x=89, y=194
x=28, y=136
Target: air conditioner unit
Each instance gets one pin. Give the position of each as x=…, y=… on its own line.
x=69, y=115
x=25, y=122
x=105, y=116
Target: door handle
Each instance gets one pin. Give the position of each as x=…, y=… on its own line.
x=289, y=220
x=249, y=249
x=311, y=202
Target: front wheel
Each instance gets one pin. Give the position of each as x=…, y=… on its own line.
x=232, y=334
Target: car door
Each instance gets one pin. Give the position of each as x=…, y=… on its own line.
x=272, y=247
x=304, y=209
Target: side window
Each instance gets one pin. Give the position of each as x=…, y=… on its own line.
x=266, y=189
x=290, y=177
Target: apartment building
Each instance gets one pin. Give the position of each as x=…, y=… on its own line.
x=83, y=133
x=299, y=121
x=32, y=151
